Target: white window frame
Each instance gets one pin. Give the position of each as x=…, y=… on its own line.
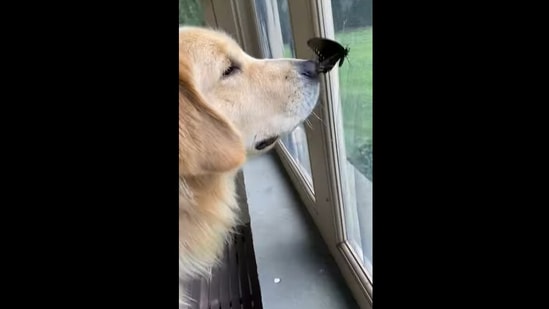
x=238, y=17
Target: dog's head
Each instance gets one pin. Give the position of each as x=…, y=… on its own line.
x=231, y=103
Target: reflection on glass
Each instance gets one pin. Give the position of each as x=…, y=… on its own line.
x=277, y=42
x=296, y=143
x=353, y=29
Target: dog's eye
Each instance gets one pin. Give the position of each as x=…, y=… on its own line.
x=230, y=70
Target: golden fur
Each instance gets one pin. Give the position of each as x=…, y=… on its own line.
x=224, y=114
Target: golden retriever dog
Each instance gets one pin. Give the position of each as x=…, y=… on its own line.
x=231, y=105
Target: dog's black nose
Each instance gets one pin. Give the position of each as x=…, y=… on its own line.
x=309, y=68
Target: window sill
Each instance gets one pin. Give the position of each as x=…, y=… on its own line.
x=294, y=265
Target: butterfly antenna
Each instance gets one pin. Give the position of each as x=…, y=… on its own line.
x=348, y=52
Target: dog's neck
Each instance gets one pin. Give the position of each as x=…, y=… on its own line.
x=207, y=185
x=185, y=193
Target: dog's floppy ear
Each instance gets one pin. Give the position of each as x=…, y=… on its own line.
x=208, y=143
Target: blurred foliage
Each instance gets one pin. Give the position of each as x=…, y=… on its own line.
x=190, y=13
x=361, y=158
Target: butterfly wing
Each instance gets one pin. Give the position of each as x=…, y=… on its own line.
x=345, y=53
x=328, y=52
x=316, y=45
x=327, y=64
x=325, y=48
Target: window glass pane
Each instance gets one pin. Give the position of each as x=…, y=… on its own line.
x=277, y=42
x=296, y=143
x=190, y=13
x=353, y=29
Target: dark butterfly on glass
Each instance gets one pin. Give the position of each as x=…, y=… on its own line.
x=328, y=52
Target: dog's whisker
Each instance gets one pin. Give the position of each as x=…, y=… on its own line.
x=324, y=123
x=314, y=114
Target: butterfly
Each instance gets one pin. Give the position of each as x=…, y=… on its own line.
x=328, y=52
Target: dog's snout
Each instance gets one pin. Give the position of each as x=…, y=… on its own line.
x=309, y=68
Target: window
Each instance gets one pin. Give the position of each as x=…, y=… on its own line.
x=353, y=26
x=340, y=140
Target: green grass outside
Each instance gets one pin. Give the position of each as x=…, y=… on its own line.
x=355, y=83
